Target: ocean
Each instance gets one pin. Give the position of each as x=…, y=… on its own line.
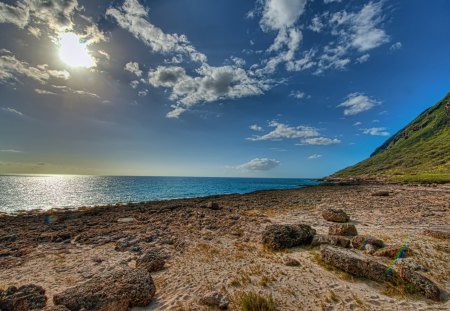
x=66, y=191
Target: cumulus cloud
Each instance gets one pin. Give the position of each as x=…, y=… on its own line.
x=314, y=156
x=132, y=16
x=66, y=89
x=376, y=131
x=282, y=131
x=11, y=69
x=133, y=67
x=279, y=14
x=258, y=164
x=356, y=103
x=255, y=127
x=210, y=84
x=13, y=111
x=323, y=141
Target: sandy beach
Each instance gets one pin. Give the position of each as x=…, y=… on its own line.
x=214, y=244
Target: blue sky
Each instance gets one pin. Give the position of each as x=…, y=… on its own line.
x=271, y=88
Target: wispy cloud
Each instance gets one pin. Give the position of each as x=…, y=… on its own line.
x=255, y=127
x=10, y=151
x=13, y=111
x=314, y=156
x=357, y=103
x=323, y=141
x=376, y=131
x=282, y=131
x=258, y=164
x=396, y=46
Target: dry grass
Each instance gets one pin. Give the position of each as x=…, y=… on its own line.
x=251, y=301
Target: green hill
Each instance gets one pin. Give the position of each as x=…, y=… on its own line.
x=418, y=152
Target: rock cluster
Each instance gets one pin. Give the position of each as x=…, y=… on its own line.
x=342, y=229
x=151, y=261
x=281, y=236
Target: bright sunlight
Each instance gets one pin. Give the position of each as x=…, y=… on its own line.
x=73, y=52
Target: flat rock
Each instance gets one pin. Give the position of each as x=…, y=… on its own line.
x=24, y=298
x=117, y=290
x=438, y=233
x=279, y=236
x=335, y=215
x=355, y=264
x=151, y=261
x=215, y=299
x=342, y=229
x=420, y=282
x=335, y=240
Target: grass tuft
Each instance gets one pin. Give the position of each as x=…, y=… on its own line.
x=251, y=301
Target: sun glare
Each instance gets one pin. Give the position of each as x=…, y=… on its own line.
x=73, y=52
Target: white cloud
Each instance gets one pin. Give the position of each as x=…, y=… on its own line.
x=323, y=141
x=211, y=84
x=298, y=94
x=357, y=103
x=376, y=131
x=66, y=89
x=134, y=84
x=132, y=17
x=44, y=92
x=316, y=24
x=10, y=151
x=363, y=58
x=331, y=1
x=11, y=69
x=357, y=123
x=13, y=111
x=282, y=131
x=238, y=61
x=255, y=127
x=396, y=46
x=143, y=93
x=279, y=14
x=133, y=67
x=314, y=156
x=258, y=164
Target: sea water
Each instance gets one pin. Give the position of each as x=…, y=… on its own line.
x=20, y=192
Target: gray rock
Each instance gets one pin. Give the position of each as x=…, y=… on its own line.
x=285, y=236
x=117, y=290
x=24, y=298
x=342, y=229
x=355, y=264
x=335, y=215
x=151, y=261
x=335, y=240
x=215, y=299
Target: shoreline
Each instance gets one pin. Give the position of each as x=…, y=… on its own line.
x=220, y=248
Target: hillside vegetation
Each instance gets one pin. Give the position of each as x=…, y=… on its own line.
x=418, y=152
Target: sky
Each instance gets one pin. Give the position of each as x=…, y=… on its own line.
x=265, y=88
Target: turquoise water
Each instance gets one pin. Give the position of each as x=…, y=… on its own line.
x=55, y=191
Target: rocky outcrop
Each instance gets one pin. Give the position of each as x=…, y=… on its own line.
x=335, y=240
x=343, y=230
x=117, y=290
x=151, y=261
x=24, y=298
x=280, y=236
x=335, y=215
x=355, y=264
x=215, y=299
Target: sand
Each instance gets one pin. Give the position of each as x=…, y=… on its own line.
x=221, y=249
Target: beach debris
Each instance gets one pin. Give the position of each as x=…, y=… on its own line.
x=335, y=215
x=118, y=290
x=392, y=251
x=215, y=299
x=291, y=262
x=381, y=194
x=335, y=240
x=126, y=219
x=365, y=242
x=342, y=229
x=279, y=236
x=24, y=298
x=355, y=264
x=420, y=282
x=151, y=261
x=438, y=233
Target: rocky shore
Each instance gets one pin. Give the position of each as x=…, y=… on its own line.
x=327, y=247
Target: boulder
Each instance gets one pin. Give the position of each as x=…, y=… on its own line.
x=392, y=251
x=355, y=264
x=335, y=215
x=215, y=299
x=438, y=233
x=117, y=290
x=151, y=261
x=279, y=236
x=421, y=283
x=362, y=241
x=343, y=229
x=335, y=240
x=24, y=298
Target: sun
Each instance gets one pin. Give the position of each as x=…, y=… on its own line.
x=74, y=52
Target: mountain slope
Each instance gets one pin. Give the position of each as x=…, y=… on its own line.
x=418, y=152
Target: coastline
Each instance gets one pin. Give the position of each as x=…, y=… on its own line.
x=207, y=248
